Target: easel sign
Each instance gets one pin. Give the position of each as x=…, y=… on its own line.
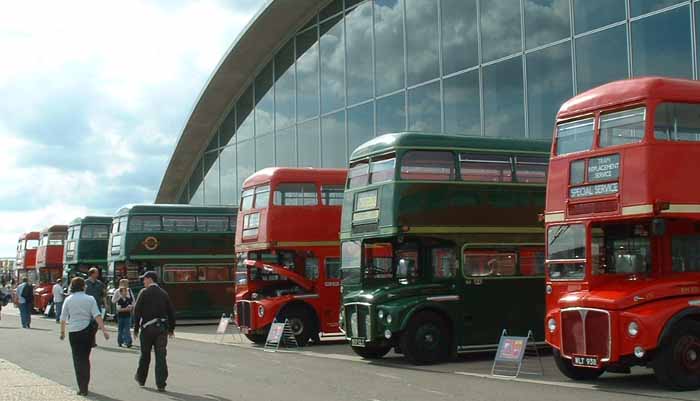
x=223, y=327
x=280, y=334
x=513, y=353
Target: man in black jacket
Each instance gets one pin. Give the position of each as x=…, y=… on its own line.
x=154, y=316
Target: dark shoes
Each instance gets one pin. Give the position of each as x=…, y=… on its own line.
x=161, y=389
x=83, y=393
x=139, y=381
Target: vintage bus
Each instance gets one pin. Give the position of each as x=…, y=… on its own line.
x=288, y=248
x=49, y=264
x=190, y=247
x=25, y=264
x=623, y=232
x=442, y=248
x=86, y=247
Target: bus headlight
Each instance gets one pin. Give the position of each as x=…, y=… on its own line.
x=380, y=314
x=548, y=289
x=552, y=325
x=389, y=319
x=261, y=311
x=633, y=329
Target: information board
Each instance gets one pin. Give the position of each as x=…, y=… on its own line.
x=511, y=349
x=275, y=334
x=512, y=355
x=223, y=325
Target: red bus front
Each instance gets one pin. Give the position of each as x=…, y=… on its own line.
x=25, y=264
x=49, y=264
x=623, y=232
x=287, y=241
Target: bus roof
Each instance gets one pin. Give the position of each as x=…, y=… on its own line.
x=631, y=91
x=418, y=140
x=30, y=235
x=91, y=220
x=147, y=209
x=57, y=228
x=297, y=174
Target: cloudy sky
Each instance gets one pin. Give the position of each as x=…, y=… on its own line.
x=93, y=96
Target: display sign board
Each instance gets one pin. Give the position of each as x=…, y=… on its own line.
x=604, y=168
x=223, y=325
x=594, y=190
x=511, y=349
x=513, y=353
x=275, y=334
x=280, y=334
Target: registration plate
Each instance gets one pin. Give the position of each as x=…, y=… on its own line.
x=585, y=361
x=357, y=342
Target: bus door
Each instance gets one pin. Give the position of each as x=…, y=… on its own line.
x=504, y=291
x=329, y=290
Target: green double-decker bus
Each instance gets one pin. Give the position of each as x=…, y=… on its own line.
x=190, y=247
x=86, y=246
x=442, y=248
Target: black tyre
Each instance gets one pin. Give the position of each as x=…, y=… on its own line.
x=257, y=338
x=574, y=372
x=426, y=340
x=372, y=352
x=677, y=361
x=302, y=322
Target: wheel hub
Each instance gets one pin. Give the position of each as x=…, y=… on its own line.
x=297, y=326
x=689, y=352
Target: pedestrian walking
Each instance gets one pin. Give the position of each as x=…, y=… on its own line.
x=25, y=300
x=82, y=318
x=58, y=298
x=154, y=316
x=123, y=299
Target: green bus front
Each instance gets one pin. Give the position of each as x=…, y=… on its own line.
x=442, y=249
x=86, y=247
x=190, y=247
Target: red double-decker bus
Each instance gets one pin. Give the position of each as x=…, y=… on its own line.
x=49, y=264
x=287, y=241
x=623, y=232
x=25, y=264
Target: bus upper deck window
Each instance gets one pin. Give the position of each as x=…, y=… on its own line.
x=213, y=223
x=296, y=195
x=381, y=169
x=247, y=199
x=485, y=168
x=262, y=197
x=428, y=165
x=677, y=122
x=622, y=127
x=575, y=136
x=178, y=223
x=531, y=169
x=358, y=175
x=145, y=223
x=332, y=195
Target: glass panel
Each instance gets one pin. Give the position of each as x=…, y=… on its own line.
x=244, y=117
x=622, y=127
x=214, y=142
x=229, y=179
x=422, y=40
x=332, y=65
x=264, y=101
x=307, y=74
x=358, y=23
x=196, y=186
x=378, y=261
x=685, y=253
x=407, y=265
x=358, y=175
x=566, y=242
x=262, y=197
x=549, y=84
x=489, y=263
x=309, y=147
x=180, y=274
x=389, y=51
x=574, y=136
x=639, y=7
x=296, y=195
x=677, y=122
x=213, y=223
x=577, y=172
x=330, y=10
x=697, y=31
x=228, y=128
x=459, y=36
x=360, y=125
x=333, y=140
x=284, y=86
x=211, y=179
x=531, y=169
x=93, y=232
x=661, y=45
x=332, y=195
x=246, y=161
x=311, y=268
x=504, y=114
x=601, y=58
x=546, y=21
x=333, y=268
x=264, y=151
x=285, y=144
x=592, y=14
x=443, y=262
x=247, y=199
x=391, y=114
x=461, y=103
x=424, y=113
x=621, y=249
x=382, y=170
x=144, y=223
x=214, y=273
x=427, y=165
x=485, y=168
x=178, y=223
x=500, y=29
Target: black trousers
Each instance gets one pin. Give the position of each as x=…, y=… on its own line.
x=81, y=346
x=153, y=338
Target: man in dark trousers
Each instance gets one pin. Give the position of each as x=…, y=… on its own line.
x=154, y=316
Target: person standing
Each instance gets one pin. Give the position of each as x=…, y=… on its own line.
x=58, y=298
x=25, y=300
x=96, y=288
x=80, y=314
x=154, y=315
x=123, y=299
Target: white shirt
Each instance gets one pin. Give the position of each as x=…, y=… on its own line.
x=57, y=293
x=79, y=309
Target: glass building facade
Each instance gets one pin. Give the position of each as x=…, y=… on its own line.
x=497, y=68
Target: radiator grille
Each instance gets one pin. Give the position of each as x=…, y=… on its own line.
x=585, y=332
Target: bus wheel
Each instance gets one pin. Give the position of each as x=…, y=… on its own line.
x=574, y=372
x=426, y=339
x=301, y=322
x=257, y=338
x=372, y=352
x=677, y=362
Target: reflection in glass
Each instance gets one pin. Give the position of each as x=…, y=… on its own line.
x=309, y=146
x=196, y=185
x=211, y=178
x=264, y=101
x=360, y=125
x=246, y=161
x=661, y=45
x=244, y=115
x=601, y=58
x=546, y=21
x=285, y=147
x=461, y=103
x=639, y=7
x=228, y=128
x=307, y=74
x=549, y=84
x=358, y=23
x=332, y=65
x=459, y=37
x=592, y=14
x=389, y=51
x=422, y=40
x=330, y=10
x=214, y=142
x=264, y=151
x=424, y=108
x=197, y=197
x=391, y=114
x=677, y=122
x=504, y=114
x=333, y=140
x=229, y=180
x=284, y=85
x=500, y=29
